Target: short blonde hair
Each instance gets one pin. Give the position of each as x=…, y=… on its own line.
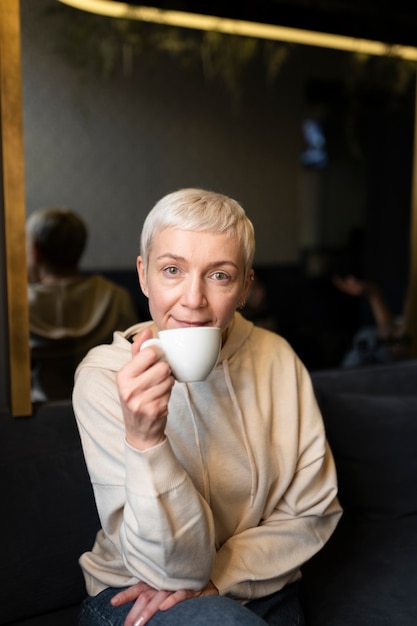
x=203, y=211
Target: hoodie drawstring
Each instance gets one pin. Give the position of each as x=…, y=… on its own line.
x=206, y=485
x=254, y=475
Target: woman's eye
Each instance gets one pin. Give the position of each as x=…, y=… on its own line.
x=171, y=270
x=220, y=276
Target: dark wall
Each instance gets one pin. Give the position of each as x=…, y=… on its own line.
x=388, y=137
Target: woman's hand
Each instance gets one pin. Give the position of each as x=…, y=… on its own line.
x=144, y=385
x=147, y=600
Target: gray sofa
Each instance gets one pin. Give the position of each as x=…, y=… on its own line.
x=365, y=576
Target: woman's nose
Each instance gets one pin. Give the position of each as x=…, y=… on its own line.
x=194, y=295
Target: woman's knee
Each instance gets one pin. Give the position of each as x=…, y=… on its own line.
x=207, y=611
x=204, y=611
x=98, y=611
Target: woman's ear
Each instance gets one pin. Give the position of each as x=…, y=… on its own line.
x=246, y=288
x=249, y=281
x=142, y=275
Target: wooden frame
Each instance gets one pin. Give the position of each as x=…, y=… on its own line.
x=14, y=214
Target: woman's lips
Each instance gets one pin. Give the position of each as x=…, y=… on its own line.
x=185, y=324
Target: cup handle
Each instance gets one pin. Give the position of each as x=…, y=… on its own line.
x=154, y=342
x=151, y=342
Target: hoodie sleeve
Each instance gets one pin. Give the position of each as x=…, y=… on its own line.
x=299, y=510
x=153, y=518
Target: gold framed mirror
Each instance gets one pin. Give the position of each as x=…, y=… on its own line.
x=15, y=385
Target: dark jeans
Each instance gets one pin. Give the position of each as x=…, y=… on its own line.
x=279, y=609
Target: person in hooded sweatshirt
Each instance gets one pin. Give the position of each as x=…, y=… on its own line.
x=68, y=313
x=212, y=494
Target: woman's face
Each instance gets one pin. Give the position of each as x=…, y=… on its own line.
x=193, y=278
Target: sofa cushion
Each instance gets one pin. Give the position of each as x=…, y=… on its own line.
x=391, y=379
x=61, y=617
x=374, y=442
x=49, y=515
x=365, y=575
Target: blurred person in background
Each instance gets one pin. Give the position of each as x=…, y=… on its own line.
x=69, y=313
x=386, y=339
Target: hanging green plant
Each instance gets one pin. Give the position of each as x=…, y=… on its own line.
x=109, y=47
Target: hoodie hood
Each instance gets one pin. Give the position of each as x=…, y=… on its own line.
x=239, y=331
x=72, y=307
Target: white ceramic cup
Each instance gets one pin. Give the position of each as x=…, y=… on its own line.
x=191, y=353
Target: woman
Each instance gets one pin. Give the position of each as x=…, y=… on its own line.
x=211, y=495
x=69, y=312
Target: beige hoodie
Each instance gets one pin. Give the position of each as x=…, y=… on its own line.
x=242, y=491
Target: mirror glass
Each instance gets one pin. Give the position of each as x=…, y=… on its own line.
x=308, y=140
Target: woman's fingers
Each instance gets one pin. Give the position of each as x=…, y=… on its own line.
x=144, y=386
x=145, y=607
x=147, y=600
x=178, y=596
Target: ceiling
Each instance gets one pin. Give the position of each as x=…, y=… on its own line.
x=382, y=20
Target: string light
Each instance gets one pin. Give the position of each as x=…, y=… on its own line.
x=243, y=28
